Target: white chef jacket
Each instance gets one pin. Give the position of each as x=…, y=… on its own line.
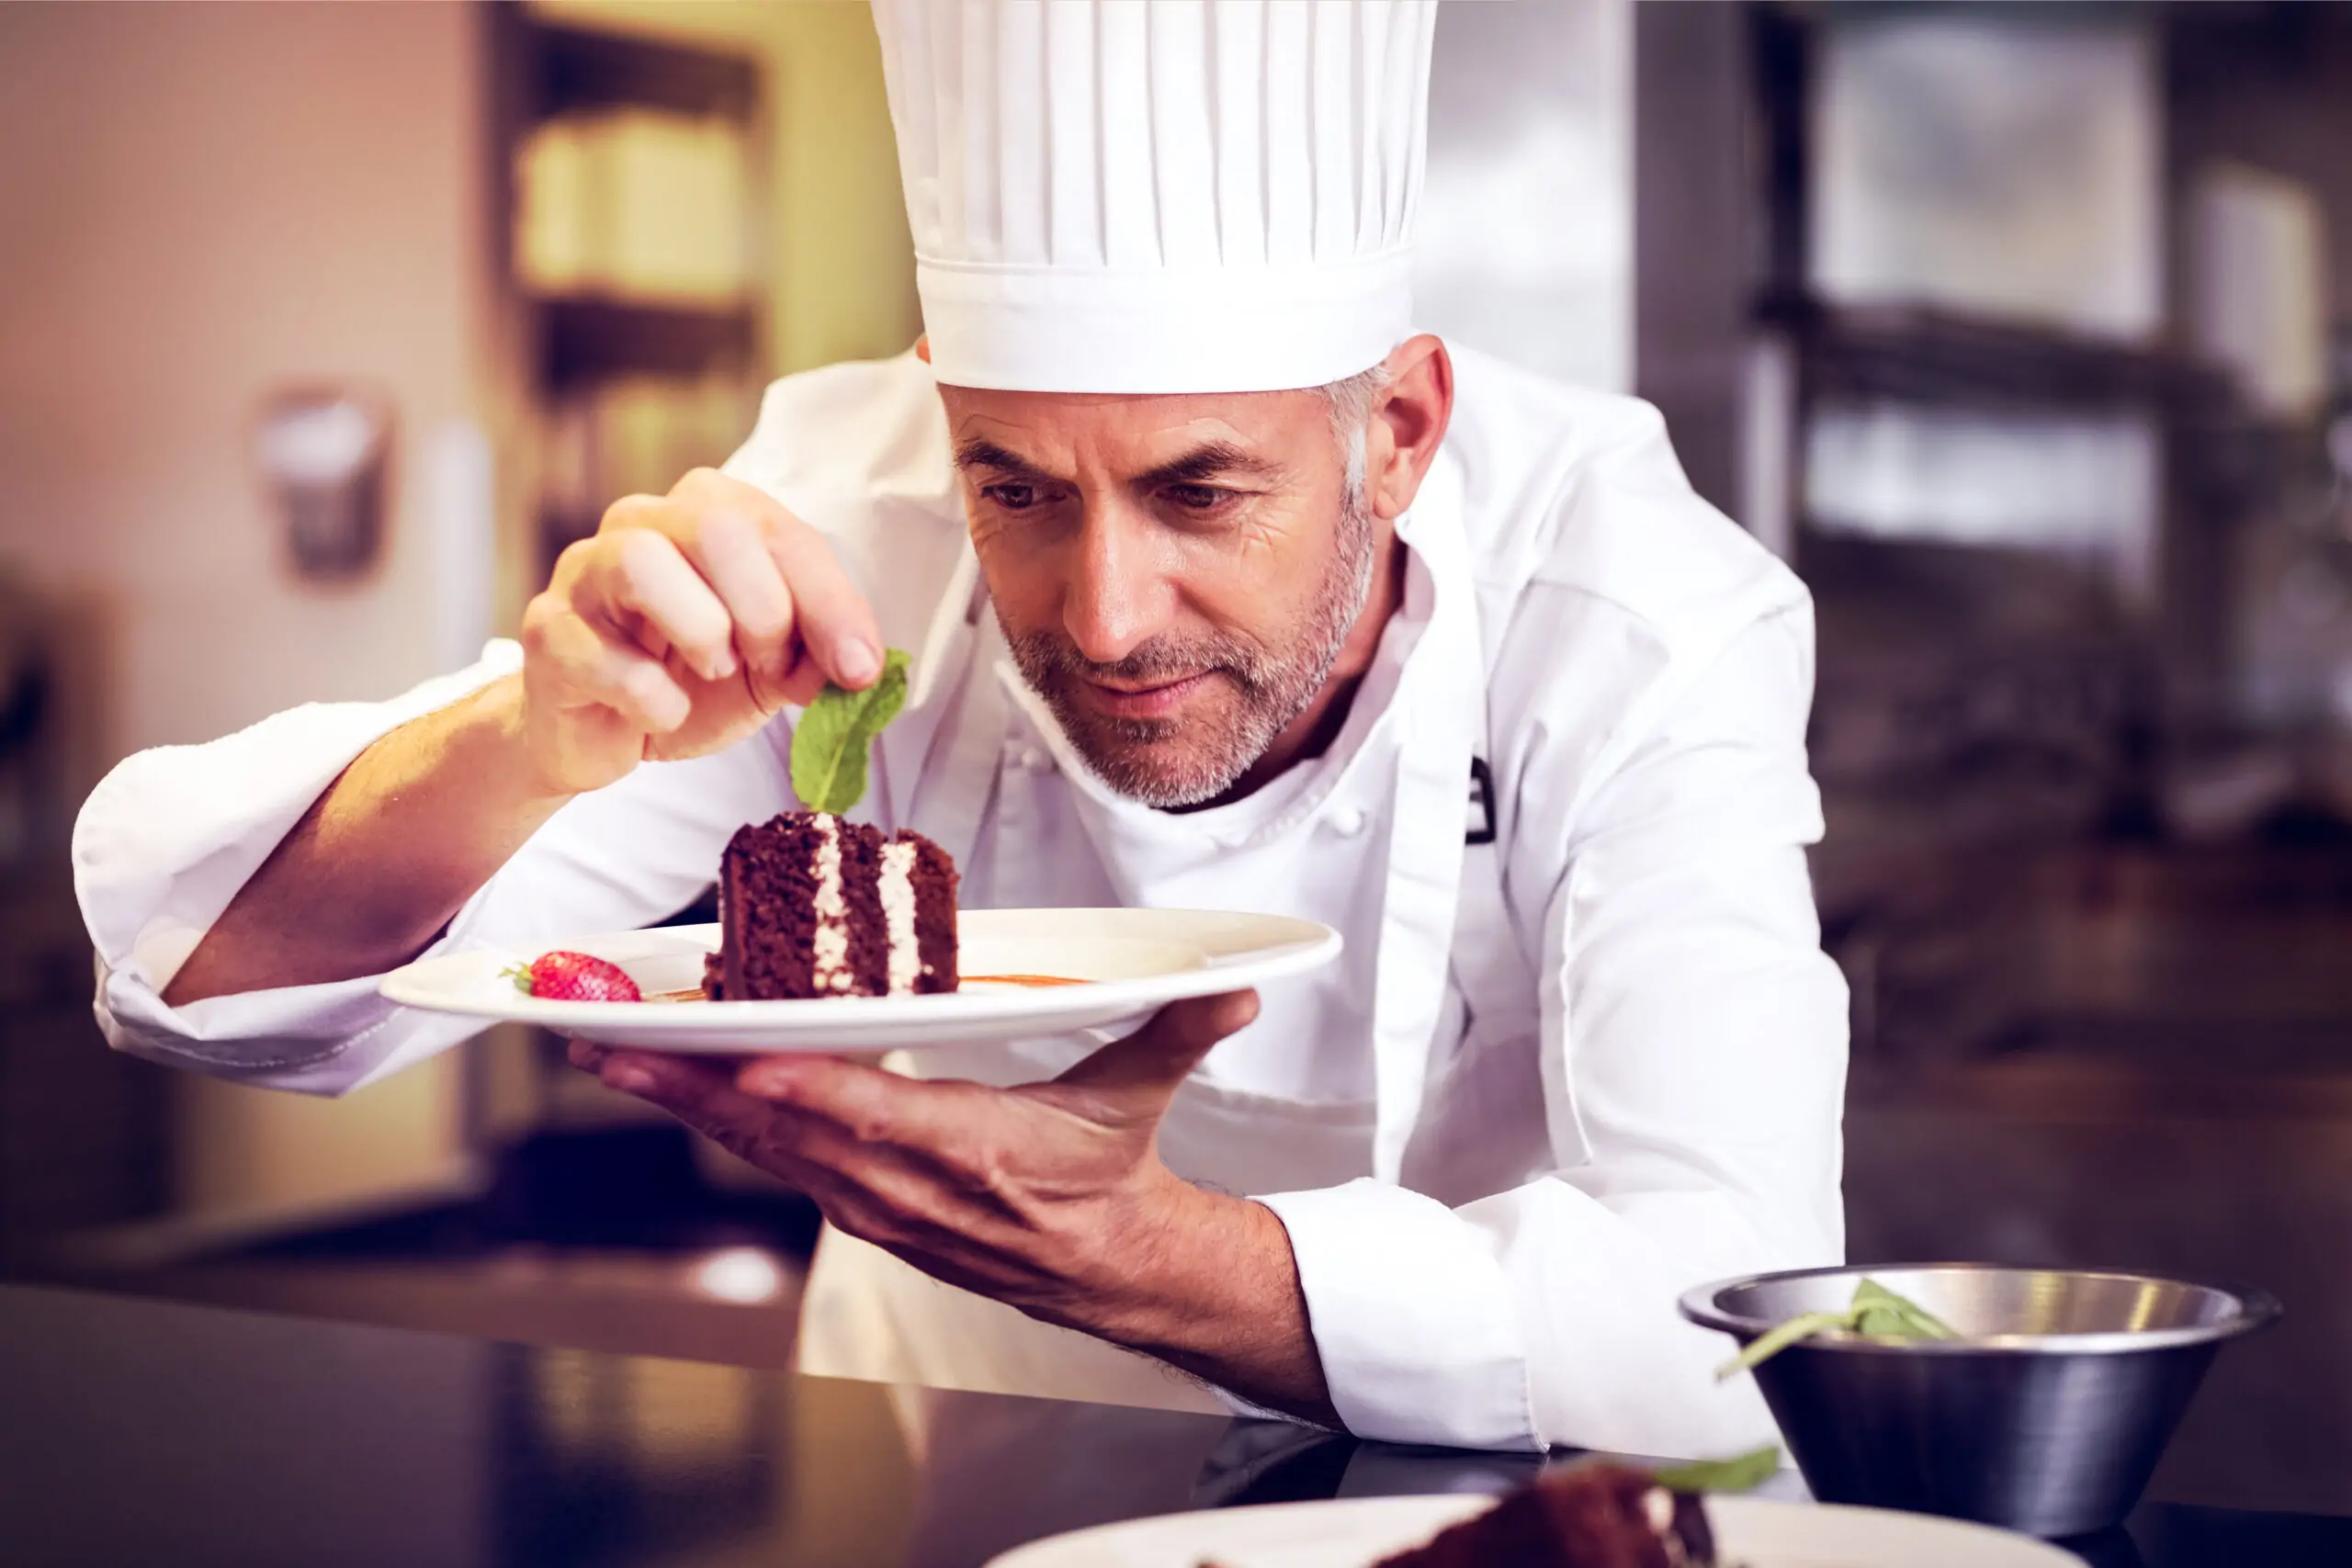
x=1582, y=1050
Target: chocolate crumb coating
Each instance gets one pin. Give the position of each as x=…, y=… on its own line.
x=1586, y=1516
x=935, y=886
x=768, y=886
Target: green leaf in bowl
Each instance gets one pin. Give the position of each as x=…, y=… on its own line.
x=1874, y=1311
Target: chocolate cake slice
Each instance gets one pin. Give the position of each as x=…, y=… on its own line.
x=1586, y=1516
x=813, y=905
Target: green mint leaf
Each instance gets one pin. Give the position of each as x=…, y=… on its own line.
x=1766, y=1345
x=1881, y=1319
x=1742, y=1472
x=1876, y=1311
x=1874, y=1303
x=836, y=733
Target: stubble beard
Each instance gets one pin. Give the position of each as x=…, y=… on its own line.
x=1168, y=763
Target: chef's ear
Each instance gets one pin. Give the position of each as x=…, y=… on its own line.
x=1408, y=419
x=922, y=347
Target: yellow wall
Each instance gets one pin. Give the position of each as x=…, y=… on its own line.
x=229, y=198
x=202, y=203
x=843, y=268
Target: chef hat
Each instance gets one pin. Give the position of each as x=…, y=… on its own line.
x=1159, y=196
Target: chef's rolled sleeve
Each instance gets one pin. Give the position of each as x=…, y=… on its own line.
x=1538, y=1317
x=169, y=838
x=1411, y=1316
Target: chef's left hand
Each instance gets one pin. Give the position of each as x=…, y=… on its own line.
x=1050, y=1197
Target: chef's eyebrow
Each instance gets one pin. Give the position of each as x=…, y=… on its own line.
x=1216, y=460
x=1210, y=461
x=978, y=454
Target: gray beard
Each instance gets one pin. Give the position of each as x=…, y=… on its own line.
x=1274, y=686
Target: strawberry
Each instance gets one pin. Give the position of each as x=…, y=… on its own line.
x=574, y=978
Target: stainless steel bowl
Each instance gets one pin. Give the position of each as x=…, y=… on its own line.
x=2047, y=1414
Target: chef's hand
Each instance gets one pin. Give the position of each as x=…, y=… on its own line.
x=679, y=627
x=1050, y=1197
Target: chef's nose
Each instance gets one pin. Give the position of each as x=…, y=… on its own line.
x=1117, y=597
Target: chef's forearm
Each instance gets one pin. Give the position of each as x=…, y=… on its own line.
x=382, y=860
x=1216, y=1293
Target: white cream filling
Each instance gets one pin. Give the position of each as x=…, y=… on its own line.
x=829, y=945
x=898, y=889
x=1658, y=1512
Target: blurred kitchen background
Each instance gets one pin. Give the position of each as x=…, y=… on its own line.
x=2023, y=331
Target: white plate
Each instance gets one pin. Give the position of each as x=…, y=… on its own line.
x=1131, y=961
x=1753, y=1532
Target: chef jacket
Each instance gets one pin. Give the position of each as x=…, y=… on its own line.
x=1582, y=1051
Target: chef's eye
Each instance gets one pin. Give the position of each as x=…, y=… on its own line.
x=1198, y=498
x=1011, y=497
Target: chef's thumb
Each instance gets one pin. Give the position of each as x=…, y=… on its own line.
x=1152, y=1061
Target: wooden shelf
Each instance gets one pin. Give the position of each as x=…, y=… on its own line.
x=575, y=69
x=589, y=339
x=1926, y=356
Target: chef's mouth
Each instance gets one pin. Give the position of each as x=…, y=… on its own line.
x=1155, y=700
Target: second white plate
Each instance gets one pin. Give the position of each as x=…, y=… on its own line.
x=1127, y=963
x=1354, y=1533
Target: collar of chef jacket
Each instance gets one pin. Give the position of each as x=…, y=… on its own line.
x=939, y=775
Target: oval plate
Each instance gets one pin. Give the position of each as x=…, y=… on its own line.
x=1127, y=963
x=1754, y=1532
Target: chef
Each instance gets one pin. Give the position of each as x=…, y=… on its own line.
x=1225, y=588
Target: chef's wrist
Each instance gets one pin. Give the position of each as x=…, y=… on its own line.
x=529, y=757
x=1208, y=1284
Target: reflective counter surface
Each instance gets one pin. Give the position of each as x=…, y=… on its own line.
x=141, y=1431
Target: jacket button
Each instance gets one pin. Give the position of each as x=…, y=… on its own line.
x=1347, y=821
x=1035, y=761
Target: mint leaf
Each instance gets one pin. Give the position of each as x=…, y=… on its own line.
x=1874, y=1305
x=1875, y=1311
x=1742, y=1472
x=1804, y=1325
x=1880, y=1319
x=836, y=732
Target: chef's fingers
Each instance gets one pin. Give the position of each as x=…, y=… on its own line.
x=1140, y=1073
x=827, y=631
x=728, y=543
x=871, y=1104
x=803, y=1150
x=637, y=582
x=836, y=626
x=675, y=1083
x=590, y=666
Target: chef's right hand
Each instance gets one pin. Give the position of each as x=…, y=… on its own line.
x=679, y=627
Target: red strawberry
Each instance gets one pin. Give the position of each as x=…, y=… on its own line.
x=575, y=977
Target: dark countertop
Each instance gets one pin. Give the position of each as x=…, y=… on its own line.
x=139, y=1431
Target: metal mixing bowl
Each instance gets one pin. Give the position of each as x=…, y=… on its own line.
x=2047, y=1414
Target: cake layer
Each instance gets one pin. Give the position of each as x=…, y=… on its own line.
x=812, y=905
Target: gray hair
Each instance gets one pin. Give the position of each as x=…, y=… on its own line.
x=1349, y=401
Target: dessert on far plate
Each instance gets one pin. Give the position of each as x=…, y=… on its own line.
x=813, y=905
x=1585, y=1515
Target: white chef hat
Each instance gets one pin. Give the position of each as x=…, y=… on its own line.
x=1159, y=196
